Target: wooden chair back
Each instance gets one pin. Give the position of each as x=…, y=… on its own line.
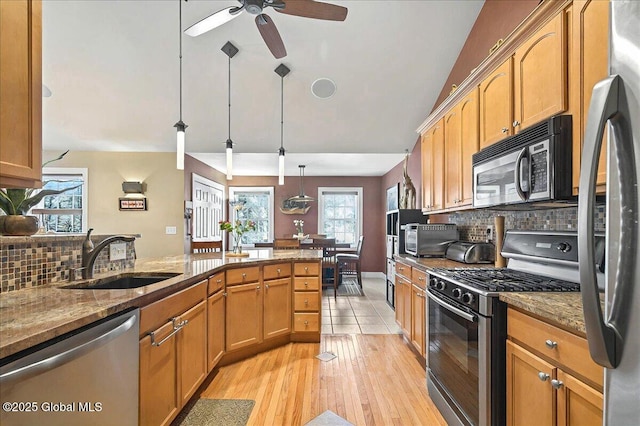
x=206, y=246
x=286, y=243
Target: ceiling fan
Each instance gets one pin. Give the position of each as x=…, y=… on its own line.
x=268, y=30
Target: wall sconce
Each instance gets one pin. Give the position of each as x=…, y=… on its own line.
x=134, y=189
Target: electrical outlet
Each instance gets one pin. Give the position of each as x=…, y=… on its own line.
x=489, y=232
x=117, y=251
x=170, y=230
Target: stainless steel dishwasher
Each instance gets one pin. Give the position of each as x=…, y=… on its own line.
x=90, y=377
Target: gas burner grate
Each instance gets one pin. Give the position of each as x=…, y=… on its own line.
x=504, y=279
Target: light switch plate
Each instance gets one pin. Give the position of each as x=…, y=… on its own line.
x=117, y=251
x=170, y=230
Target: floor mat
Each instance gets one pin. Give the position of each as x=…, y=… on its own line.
x=215, y=412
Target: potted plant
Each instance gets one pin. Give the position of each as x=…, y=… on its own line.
x=16, y=203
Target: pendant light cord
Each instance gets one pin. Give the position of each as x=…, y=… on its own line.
x=180, y=41
x=281, y=111
x=229, y=97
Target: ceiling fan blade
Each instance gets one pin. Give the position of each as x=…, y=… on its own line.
x=271, y=36
x=213, y=21
x=313, y=9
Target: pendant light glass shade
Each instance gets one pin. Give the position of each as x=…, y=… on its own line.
x=281, y=166
x=229, y=159
x=180, y=126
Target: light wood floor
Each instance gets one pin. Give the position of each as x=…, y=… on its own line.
x=375, y=380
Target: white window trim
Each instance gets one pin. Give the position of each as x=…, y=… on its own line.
x=357, y=189
x=270, y=190
x=84, y=172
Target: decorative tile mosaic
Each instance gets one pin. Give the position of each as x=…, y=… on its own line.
x=473, y=224
x=33, y=261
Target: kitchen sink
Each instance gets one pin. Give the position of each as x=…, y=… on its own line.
x=123, y=281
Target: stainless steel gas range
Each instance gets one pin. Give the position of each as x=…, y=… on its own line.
x=467, y=322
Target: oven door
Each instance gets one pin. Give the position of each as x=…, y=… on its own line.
x=459, y=378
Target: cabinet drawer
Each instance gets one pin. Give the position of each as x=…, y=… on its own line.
x=243, y=275
x=306, y=283
x=419, y=278
x=306, y=322
x=216, y=282
x=306, y=301
x=566, y=349
x=306, y=268
x=279, y=270
x=403, y=269
x=156, y=314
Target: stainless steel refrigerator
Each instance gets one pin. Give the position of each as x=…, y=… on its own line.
x=613, y=324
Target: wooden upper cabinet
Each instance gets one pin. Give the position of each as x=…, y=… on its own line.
x=21, y=88
x=437, y=167
x=469, y=144
x=425, y=161
x=496, y=105
x=452, y=157
x=540, y=74
x=589, y=41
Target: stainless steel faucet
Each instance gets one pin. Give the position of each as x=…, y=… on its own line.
x=90, y=254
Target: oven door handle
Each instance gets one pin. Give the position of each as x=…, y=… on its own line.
x=457, y=311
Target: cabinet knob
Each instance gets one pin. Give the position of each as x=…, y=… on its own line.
x=278, y=270
x=556, y=384
x=551, y=344
x=516, y=123
x=257, y=288
x=218, y=281
x=543, y=376
x=244, y=275
x=306, y=302
x=306, y=323
x=306, y=269
x=306, y=284
x=505, y=130
x=266, y=286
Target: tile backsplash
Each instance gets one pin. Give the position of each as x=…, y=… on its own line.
x=40, y=259
x=473, y=224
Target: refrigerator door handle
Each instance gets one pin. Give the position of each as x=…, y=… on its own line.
x=605, y=343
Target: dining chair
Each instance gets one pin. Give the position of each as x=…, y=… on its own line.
x=286, y=243
x=206, y=246
x=348, y=264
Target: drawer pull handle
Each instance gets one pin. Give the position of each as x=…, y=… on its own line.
x=551, y=344
x=556, y=384
x=543, y=376
x=218, y=280
x=306, y=284
x=306, y=323
x=306, y=269
x=278, y=271
x=306, y=302
x=244, y=275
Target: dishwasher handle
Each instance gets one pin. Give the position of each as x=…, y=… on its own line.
x=83, y=343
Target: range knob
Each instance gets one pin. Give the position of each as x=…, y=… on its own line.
x=564, y=247
x=433, y=282
x=457, y=293
x=442, y=285
x=468, y=298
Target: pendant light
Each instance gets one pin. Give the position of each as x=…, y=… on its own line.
x=180, y=126
x=302, y=197
x=230, y=50
x=282, y=71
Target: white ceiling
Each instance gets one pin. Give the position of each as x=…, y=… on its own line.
x=112, y=67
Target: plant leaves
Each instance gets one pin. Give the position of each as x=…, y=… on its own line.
x=5, y=203
x=27, y=203
x=56, y=159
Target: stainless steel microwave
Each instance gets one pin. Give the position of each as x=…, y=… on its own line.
x=429, y=239
x=534, y=166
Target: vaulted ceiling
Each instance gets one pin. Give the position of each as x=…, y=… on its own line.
x=112, y=68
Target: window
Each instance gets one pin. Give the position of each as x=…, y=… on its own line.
x=258, y=207
x=208, y=201
x=66, y=212
x=340, y=213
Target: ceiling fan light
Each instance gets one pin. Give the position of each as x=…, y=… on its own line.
x=229, y=159
x=213, y=21
x=281, y=166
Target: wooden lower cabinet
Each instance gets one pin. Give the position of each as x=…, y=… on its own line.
x=277, y=307
x=192, y=350
x=244, y=315
x=418, y=320
x=551, y=382
x=403, y=305
x=307, y=290
x=215, y=329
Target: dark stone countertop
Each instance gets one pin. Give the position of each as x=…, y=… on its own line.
x=32, y=316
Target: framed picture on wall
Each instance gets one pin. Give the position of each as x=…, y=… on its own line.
x=392, y=197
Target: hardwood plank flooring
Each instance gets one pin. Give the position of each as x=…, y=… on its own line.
x=375, y=380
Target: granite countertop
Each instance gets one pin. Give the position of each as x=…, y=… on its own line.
x=32, y=316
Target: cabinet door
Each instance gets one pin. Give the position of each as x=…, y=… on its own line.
x=496, y=105
x=159, y=400
x=468, y=108
x=578, y=403
x=530, y=400
x=192, y=350
x=406, y=313
x=244, y=315
x=399, y=298
x=215, y=329
x=590, y=33
x=540, y=75
x=418, y=323
x=452, y=157
x=437, y=167
x=21, y=88
x=277, y=307
x=425, y=162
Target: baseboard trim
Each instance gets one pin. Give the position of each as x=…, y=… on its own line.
x=379, y=275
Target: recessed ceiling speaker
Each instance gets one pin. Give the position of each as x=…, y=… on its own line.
x=323, y=88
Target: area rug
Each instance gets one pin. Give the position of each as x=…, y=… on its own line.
x=215, y=412
x=329, y=418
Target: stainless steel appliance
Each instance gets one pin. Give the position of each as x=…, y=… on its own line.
x=89, y=377
x=614, y=336
x=471, y=252
x=531, y=166
x=467, y=322
x=429, y=239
